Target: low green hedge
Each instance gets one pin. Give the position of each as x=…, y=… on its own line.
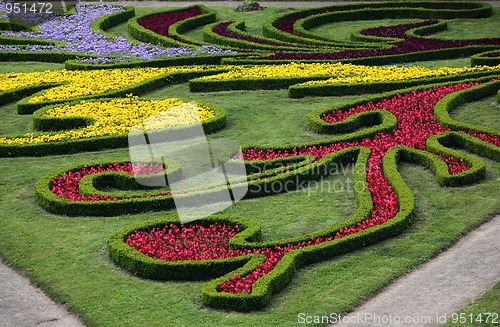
x=175, y=30
x=239, y=27
x=55, y=57
x=482, y=59
x=281, y=275
x=415, y=32
x=105, y=22
x=309, y=18
x=456, y=99
x=8, y=40
x=339, y=89
x=275, y=83
x=438, y=54
x=26, y=107
x=43, y=123
x=165, y=62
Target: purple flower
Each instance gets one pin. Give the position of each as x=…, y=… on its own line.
x=74, y=35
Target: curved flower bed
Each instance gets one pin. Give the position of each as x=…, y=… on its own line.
x=308, y=76
x=64, y=85
x=71, y=29
x=489, y=58
x=90, y=125
x=267, y=265
x=255, y=269
x=160, y=23
x=110, y=118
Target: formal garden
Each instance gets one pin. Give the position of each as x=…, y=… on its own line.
x=369, y=134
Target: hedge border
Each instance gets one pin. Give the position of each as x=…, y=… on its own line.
x=275, y=83
x=25, y=107
x=482, y=59
x=281, y=275
x=167, y=62
x=143, y=34
x=421, y=10
x=90, y=144
x=303, y=172
x=295, y=90
x=105, y=22
x=438, y=54
x=337, y=89
x=313, y=17
x=441, y=109
x=239, y=27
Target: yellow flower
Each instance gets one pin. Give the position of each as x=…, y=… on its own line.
x=116, y=117
x=68, y=84
x=340, y=73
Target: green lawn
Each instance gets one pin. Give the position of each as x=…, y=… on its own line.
x=67, y=257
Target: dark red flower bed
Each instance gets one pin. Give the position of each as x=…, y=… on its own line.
x=493, y=54
x=222, y=29
x=416, y=123
x=396, y=31
x=66, y=186
x=286, y=23
x=409, y=45
x=159, y=23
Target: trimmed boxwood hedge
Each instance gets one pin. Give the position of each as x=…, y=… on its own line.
x=274, y=83
x=489, y=58
x=302, y=170
x=50, y=124
x=143, y=34
x=166, y=62
x=438, y=54
x=55, y=57
x=105, y=22
x=239, y=27
x=298, y=91
x=282, y=274
x=309, y=18
x=339, y=89
x=26, y=107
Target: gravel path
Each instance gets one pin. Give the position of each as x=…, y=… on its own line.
x=440, y=287
x=23, y=305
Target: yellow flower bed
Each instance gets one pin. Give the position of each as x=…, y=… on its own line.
x=341, y=73
x=116, y=117
x=84, y=83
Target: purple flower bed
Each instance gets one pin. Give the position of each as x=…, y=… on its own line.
x=75, y=30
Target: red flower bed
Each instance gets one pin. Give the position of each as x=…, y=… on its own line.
x=416, y=123
x=159, y=23
x=66, y=186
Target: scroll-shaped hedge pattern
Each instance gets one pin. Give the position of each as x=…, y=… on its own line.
x=410, y=125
